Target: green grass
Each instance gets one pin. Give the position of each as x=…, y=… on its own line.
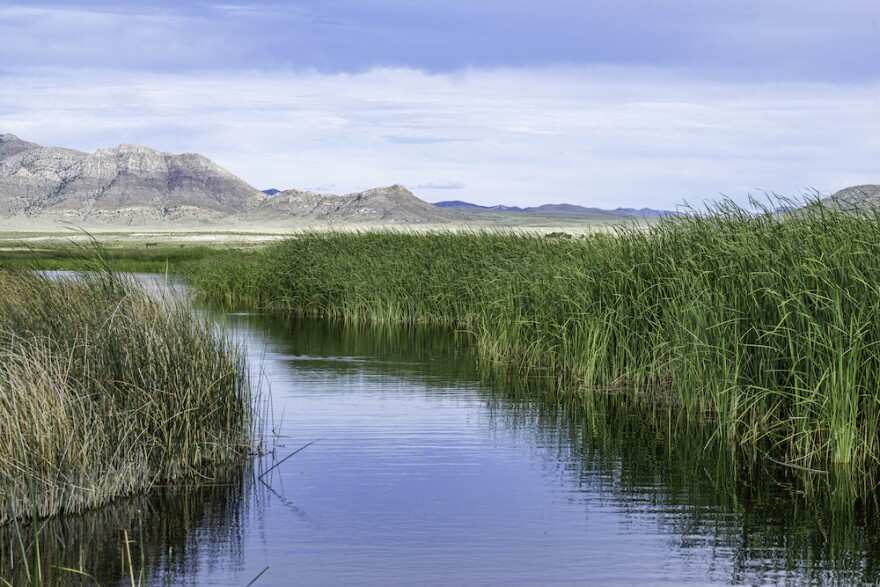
x=764, y=328
x=105, y=391
x=139, y=259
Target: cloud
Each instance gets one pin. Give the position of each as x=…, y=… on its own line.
x=74, y=36
x=597, y=136
x=441, y=185
x=723, y=39
x=404, y=140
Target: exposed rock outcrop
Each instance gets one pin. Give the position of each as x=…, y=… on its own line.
x=854, y=198
x=136, y=185
x=12, y=145
x=128, y=184
x=394, y=204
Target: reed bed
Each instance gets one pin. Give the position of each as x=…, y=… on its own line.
x=765, y=327
x=92, y=255
x=106, y=391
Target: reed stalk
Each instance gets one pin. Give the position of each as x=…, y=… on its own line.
x=765, y=327
x=105, y=391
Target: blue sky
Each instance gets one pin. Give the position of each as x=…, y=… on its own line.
x=601, y=103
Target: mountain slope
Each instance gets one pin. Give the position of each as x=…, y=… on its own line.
x=136, y=185
x=12, y=145
x=854, y=198
x=394, y=204
x=567, y=209
x=127, y=184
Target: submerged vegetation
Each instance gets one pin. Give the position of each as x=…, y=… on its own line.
x=764, y=327
x=106, y=391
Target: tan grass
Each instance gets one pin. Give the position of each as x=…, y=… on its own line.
x=105, y=391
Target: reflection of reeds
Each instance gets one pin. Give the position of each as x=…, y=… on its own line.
x=161, y=523
x=104, y=392
x=764, y=327
x=774, y=525
x=337, y=347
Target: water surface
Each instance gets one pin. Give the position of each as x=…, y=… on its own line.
x=424, y=475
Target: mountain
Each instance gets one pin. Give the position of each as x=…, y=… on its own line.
x=468, y=205
x=394, y=204
x=136, y=185
x=458, y=204
x=128, y=184
x=568, y=209
x=854, y=198
x=646, y=212
x=12, y=145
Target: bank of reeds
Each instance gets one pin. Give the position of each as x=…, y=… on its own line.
x=86, y=257
x=765, y=327
x=106, y=391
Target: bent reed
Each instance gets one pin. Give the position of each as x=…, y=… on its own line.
x=106, y=391
x=765, y=327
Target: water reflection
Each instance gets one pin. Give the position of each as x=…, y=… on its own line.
x=175, y=530
x=745, y=519
x=425, y=475
x=755, y=522
x=430, y=356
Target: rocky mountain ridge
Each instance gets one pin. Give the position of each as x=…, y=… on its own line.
x=11, y=145
x=125, y=184
x=394, y=205
x=135, y=185
x=856, y=197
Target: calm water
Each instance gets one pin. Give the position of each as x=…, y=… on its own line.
x=423, y=475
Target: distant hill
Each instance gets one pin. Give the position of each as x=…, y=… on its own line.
x=646, y=212
x=12, y=145
x=566, y=209
x=854, y=198
x=570, y=209
x=457, y=204
x=135, y=185
x=394, y=204
x=460, y=204
x=128, y=184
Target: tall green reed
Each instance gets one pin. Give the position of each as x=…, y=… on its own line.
x=764, y=327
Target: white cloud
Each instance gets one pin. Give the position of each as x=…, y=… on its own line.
x=594, y=136
x=804, y=39
x=147, y=38
x=441, y=185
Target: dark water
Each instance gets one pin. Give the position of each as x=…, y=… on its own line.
x=423, y=475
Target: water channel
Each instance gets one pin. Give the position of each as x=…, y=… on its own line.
x=425, y=474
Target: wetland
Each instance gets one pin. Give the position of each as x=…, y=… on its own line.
x=427, y=474
x=691, y=402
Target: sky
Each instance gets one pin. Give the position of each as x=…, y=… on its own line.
x=606, y=103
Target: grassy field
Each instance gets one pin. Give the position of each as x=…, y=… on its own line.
x=105, y=391
x=119, y=251
x=159, y=259
x=764, y=328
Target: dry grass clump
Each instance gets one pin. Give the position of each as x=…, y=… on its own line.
x=105, y=391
